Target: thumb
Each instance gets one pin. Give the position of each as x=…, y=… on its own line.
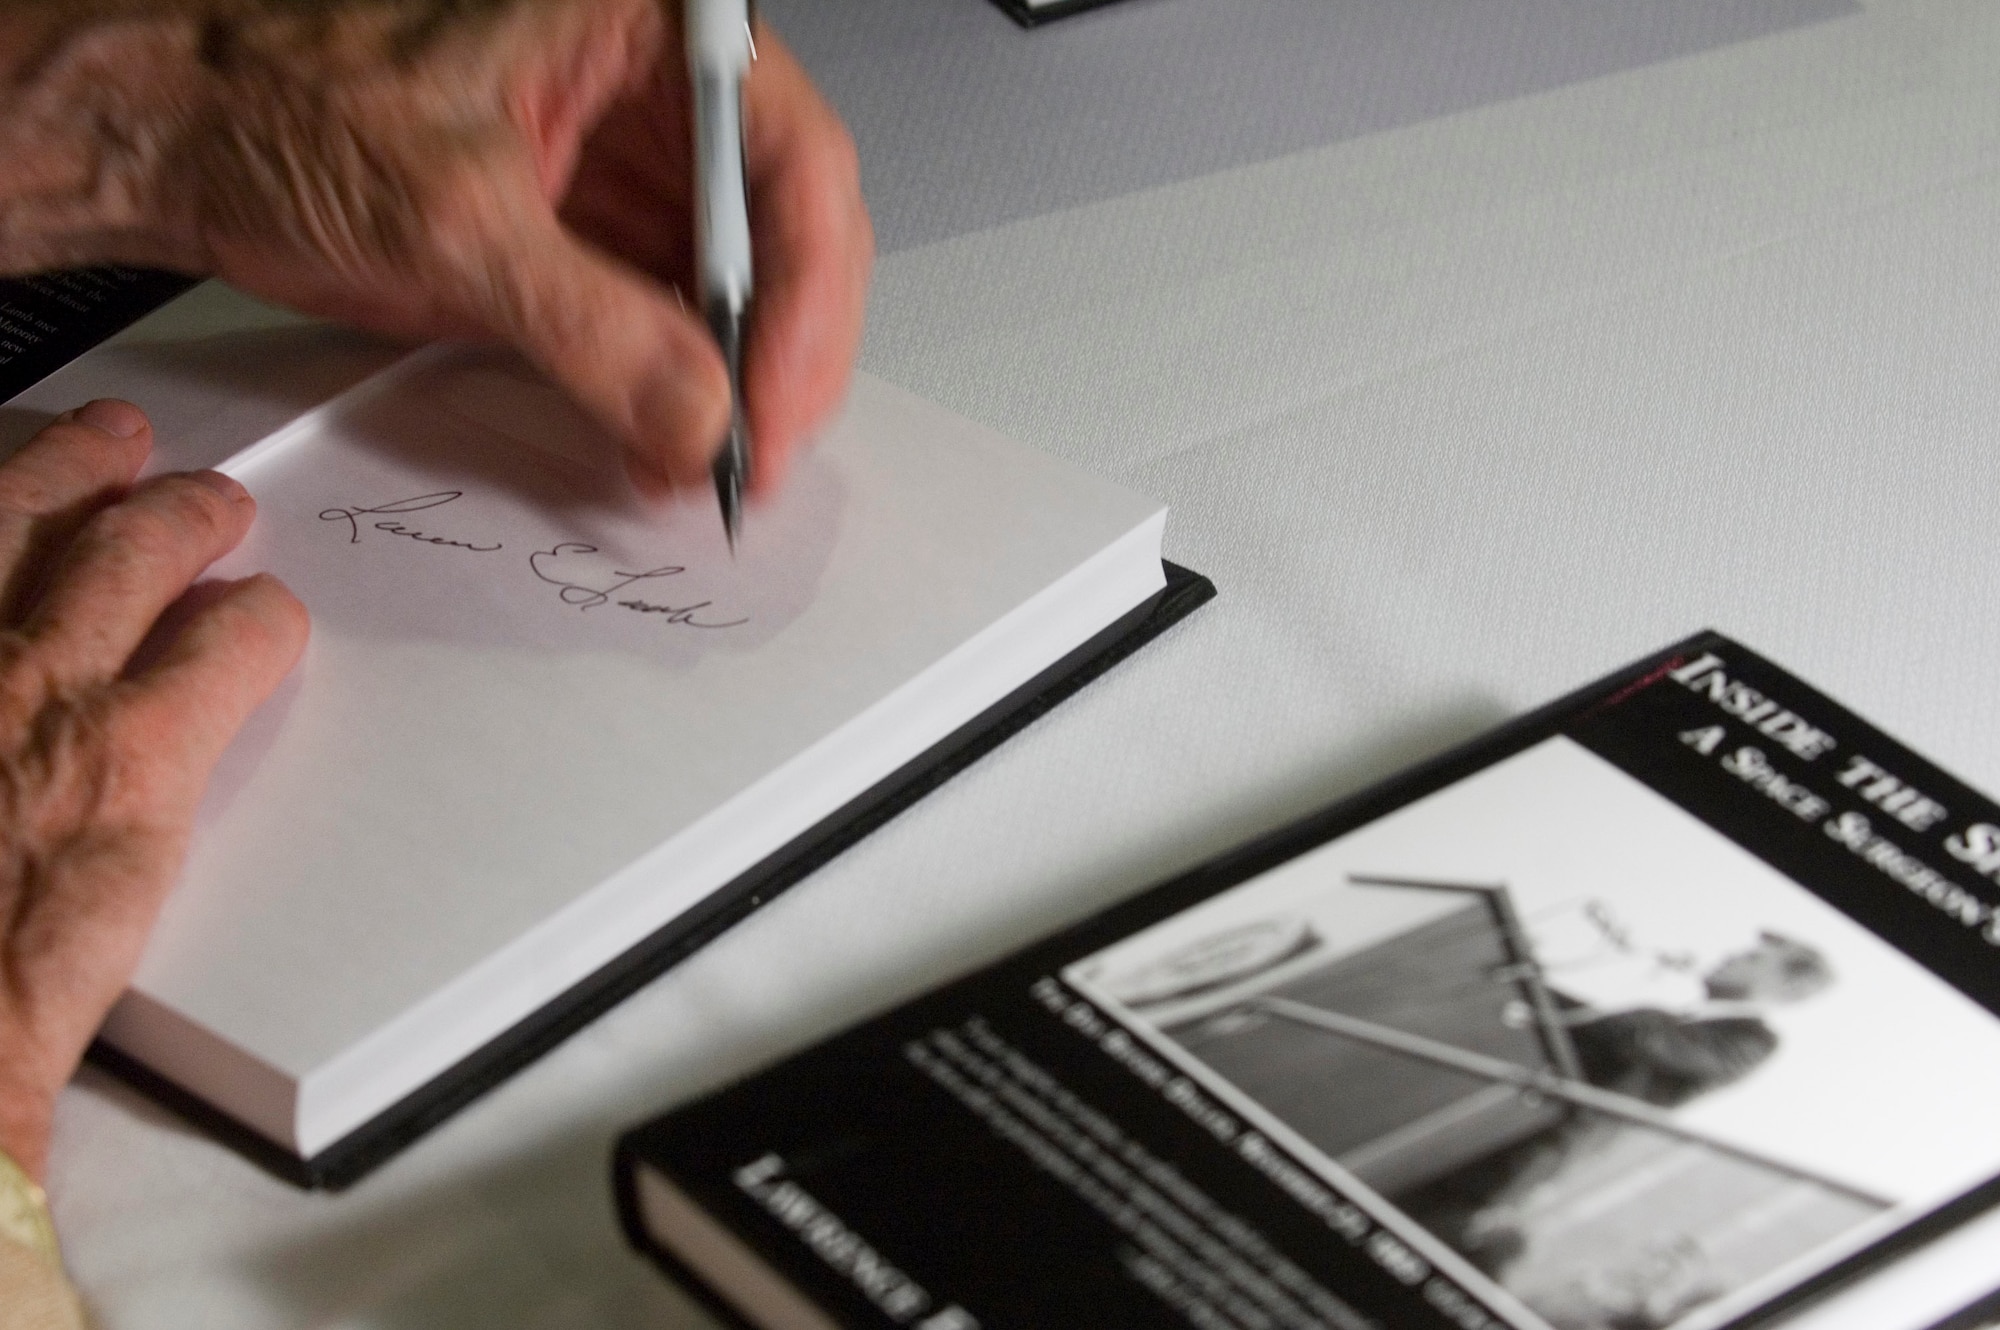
x=623, y=346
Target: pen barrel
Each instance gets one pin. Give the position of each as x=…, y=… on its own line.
x=722, y=209
x=718, y=35
x=718, y=53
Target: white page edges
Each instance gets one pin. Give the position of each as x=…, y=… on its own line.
x=196, y=1058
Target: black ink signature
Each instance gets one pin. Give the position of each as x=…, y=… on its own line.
x=353, y=516
x=590, y=597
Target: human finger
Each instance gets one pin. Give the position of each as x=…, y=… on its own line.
x=127, y=565
x=620, y=343
x=156, y=737
x=632, y=191
x=71, y=467
x=814, y=251
x=146, y=745
x=226, y=658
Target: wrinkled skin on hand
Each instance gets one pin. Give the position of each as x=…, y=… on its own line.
x=508, y=169
x=103, y=759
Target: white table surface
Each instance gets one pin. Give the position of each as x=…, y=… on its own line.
x=1458, y=415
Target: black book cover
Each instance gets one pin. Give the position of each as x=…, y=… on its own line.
x=1029, y=15
x=50, y=319
x=1671, y=1004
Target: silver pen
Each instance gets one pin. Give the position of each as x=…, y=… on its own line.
x=719, y=51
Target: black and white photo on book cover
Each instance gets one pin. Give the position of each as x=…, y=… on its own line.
x=1578, y=1048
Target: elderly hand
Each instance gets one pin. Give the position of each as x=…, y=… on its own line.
x=103, y=759
x=508, y=169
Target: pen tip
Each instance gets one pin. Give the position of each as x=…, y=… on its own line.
x=732, y=516
x=729, y=494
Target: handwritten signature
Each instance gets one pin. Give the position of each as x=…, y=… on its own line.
x=402, y=507
x=579, y=593
x=587, y=597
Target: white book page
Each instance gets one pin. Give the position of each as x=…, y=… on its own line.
x=522, y=678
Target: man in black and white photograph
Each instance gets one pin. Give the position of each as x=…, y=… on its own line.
x=1624, y=1077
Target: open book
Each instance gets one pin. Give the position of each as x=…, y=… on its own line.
x=548, y=737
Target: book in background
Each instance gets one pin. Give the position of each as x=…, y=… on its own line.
x=1028, y=13
x=1676, y=1004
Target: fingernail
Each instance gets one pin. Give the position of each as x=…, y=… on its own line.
x=119, y=419
x=228, y=487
